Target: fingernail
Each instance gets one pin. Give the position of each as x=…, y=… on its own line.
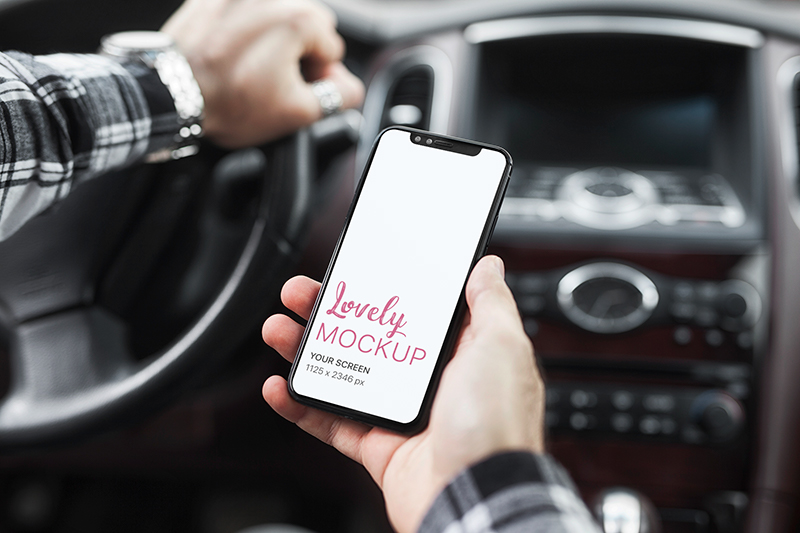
x=500, y=266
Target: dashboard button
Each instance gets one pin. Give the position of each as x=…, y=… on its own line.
x=581, y=399
x=682, y=335
x=650, y=425
x=659, y=403
x=580, y=421
x=682, y=311
x=738, y=389
x=683, y=292
x=708, y=291
x=622, y=400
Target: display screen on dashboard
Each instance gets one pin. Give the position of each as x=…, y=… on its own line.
x=620, y=100
x=657, y=131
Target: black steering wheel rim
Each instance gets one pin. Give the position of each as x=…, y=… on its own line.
x=71, y=369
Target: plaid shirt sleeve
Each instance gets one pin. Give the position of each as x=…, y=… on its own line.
x=515, y=491
x=66, y=118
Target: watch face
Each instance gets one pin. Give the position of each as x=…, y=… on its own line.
x=125, y=43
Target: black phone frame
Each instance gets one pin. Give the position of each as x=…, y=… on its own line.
x=421, y=420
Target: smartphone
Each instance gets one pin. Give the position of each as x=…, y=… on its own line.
x=392, y=300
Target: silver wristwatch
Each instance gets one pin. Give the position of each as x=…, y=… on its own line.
x=158, y=51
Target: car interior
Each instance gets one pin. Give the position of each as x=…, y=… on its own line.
x=651, y=235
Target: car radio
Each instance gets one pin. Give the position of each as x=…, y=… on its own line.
x=688, y=415
x=610, y=297
x=632, y=353
x=612, y=198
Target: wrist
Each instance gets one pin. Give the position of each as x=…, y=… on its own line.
x=158, y=53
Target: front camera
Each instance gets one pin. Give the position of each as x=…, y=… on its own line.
x=429, y=141
x=417, y=139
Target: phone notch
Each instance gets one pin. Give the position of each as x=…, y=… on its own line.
x=451, y=145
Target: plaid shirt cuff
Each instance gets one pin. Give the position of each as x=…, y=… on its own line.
x=66, y=118
x=515, y=491
x=164, y=123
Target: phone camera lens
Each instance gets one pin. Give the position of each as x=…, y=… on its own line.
x=417, y=139
x=429, y=141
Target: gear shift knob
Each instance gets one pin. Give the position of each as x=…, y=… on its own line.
x=621, y=510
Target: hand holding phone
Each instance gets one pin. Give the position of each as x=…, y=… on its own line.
x=390, y=305
x=491, y=399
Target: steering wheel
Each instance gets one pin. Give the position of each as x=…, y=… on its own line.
x=112, y=302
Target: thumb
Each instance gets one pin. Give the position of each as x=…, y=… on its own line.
x=489, y=299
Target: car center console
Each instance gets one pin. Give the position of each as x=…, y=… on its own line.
x=631, y=231
x=633, y=234
x=638, y=174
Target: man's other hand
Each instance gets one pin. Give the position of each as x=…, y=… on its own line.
x=255, y=61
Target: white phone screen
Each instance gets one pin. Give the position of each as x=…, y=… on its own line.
x=373, y=343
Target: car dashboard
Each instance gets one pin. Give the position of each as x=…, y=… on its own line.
x=648, y=233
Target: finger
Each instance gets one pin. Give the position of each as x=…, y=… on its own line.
x=192, y=20
x=299, y=294
x=306, y=29
x=321, y=43
x=343, y=434
x=350, y=87
x=489, y=299
x=315, y=24
x=276, y=394
x=494, y=318
x=305, y=107
x=283, y=334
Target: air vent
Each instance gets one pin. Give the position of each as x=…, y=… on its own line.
x=794, y=92
x=408, y=102
x=789, y=83
x=796, y=126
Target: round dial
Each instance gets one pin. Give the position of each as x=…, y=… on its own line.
x=718, y=414
x=608, y=198
x=607, y=297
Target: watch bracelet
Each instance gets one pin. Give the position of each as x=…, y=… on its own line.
x=175, y=73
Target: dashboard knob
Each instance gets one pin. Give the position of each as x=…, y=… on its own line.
x=738, y=304
x=718, y=414
x=607, y=297
x=734, y=305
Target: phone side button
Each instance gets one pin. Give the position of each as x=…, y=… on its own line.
x=489, y=238
x=497, y=214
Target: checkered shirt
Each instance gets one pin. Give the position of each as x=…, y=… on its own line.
x=510, y=492
x=66, y=118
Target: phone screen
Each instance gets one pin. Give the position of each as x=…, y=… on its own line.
x=420, y=220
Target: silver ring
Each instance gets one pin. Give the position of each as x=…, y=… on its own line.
x=330, y=99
